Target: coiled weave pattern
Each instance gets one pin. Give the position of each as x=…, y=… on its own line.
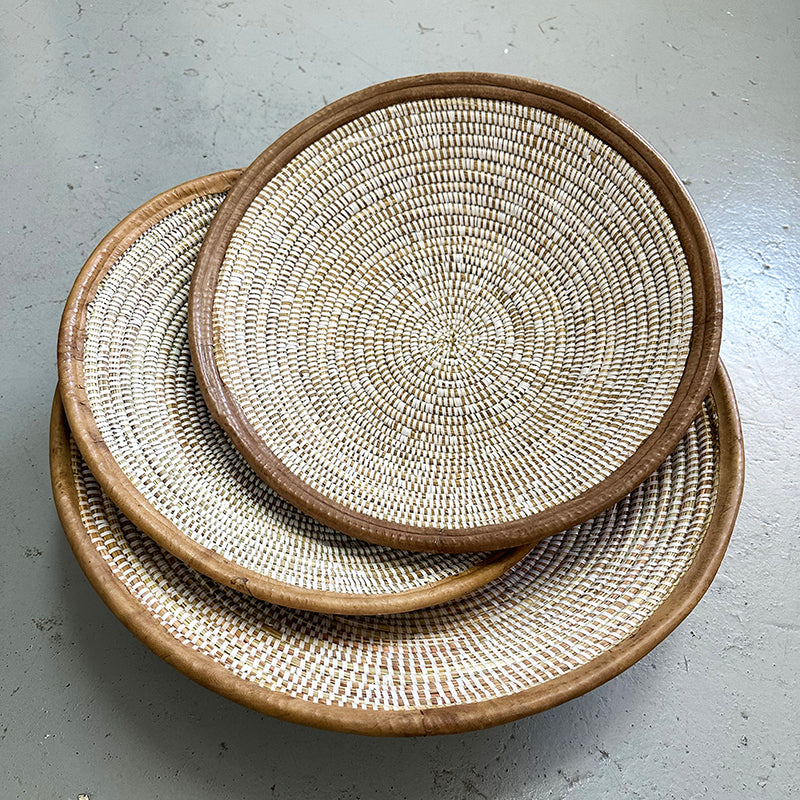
x=454, y=312
x=144, y=398
x=576, y=595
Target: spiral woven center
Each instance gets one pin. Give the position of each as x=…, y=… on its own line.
x=454, y=312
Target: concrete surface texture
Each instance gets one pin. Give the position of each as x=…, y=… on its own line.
x=107, y=104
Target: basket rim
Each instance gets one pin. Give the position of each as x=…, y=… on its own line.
x=683, y=408
x=452, y=719
x=124, y=492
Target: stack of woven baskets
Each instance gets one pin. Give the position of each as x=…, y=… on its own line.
x=416, y=425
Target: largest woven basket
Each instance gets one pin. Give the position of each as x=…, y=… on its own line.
x=456, y=312
x=580, y=608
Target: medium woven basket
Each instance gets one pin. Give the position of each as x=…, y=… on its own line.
x=581, y=607
x=141, y=423
x=456, y=312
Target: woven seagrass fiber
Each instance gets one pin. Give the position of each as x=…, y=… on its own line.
x=577, y=610
x=456, y=312
x=141, y=423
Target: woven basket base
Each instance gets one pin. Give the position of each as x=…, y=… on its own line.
x=580, y=608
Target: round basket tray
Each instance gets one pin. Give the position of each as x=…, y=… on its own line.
x=456, y=312
x=132, y=400
x=580, y=608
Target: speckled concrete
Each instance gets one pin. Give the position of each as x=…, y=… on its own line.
x=105, y=105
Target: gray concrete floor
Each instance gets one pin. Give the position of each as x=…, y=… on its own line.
x=107, y=104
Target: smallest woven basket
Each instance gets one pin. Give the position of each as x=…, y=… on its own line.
x=456, y=312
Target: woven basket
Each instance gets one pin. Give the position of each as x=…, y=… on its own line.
x=577, y=610
x=456, y=312
x=141, y=423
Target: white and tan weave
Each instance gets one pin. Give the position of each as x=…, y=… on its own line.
x=142, y=394
x=573, y=598
x=454, y=312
